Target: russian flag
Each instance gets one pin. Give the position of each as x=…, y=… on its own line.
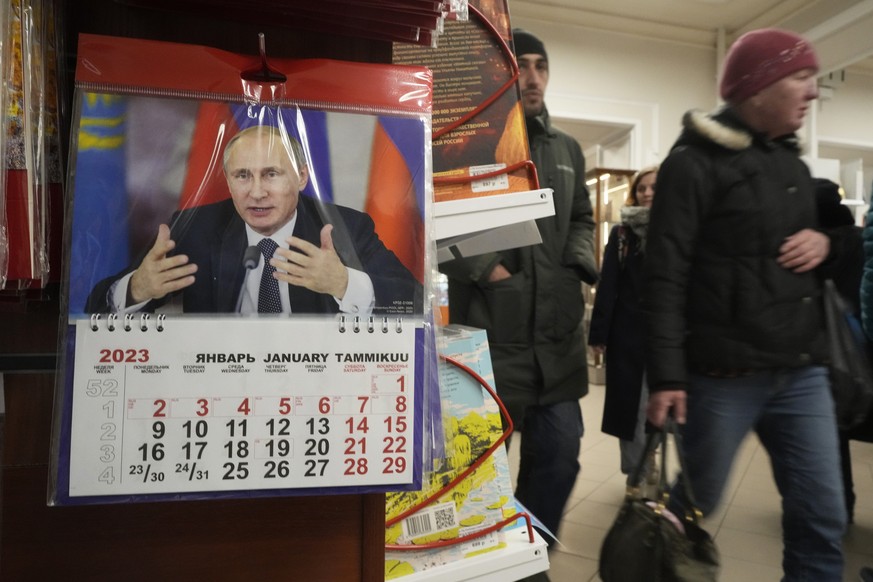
x=396, y=189
x=204, y=180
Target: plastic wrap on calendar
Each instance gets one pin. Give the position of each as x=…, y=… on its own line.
x=247, y=306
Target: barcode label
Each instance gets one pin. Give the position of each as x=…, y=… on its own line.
x=430, y=520
x=418, y=525
x=487, y=541
x=500, y=182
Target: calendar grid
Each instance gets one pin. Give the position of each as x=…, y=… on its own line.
x=152, y=416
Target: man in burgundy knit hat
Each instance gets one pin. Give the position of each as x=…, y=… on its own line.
x=736, y=330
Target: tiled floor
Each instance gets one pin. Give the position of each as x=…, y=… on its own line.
x=746, y=528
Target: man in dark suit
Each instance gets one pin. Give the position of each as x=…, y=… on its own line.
x=328, y=257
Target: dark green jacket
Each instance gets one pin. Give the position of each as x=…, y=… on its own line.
x=534, y=319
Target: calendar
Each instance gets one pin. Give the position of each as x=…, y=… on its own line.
x=197, y=363
x=216, y=405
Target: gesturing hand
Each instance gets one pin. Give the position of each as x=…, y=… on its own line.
x=159, y=274
x=316, y=268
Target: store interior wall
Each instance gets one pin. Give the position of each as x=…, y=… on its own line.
x=646, y=85
x=845, y=121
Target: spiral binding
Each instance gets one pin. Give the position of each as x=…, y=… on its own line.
x=371, y=324
x=143, y=321
x=129, y=322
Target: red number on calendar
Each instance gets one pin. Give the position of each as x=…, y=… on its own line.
x=394, y=445
x=160, y=409
x=401, y=404
x=204, y=407
x=395, y=424
x=129, y=356
x=363, y=400
x=352, y=445
x=402, y=381
x=356, y=467
x=244, y=407
x=324, y=405
x=362, y=426
x=284, y=406
x=393, y=465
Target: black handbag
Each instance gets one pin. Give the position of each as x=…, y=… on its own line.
x=645, y=543
x=850, y=373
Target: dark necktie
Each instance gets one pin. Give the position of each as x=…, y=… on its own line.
x=268, y=296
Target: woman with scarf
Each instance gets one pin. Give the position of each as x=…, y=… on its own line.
x=618, y=326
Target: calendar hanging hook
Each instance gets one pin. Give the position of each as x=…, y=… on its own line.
x=265, y=73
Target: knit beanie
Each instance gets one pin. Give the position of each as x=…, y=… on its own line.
x=525, y=43
x=760, y=58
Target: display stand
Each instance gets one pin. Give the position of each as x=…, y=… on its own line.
x=519, y=559
x=290, y=538
x=210, y=540
x=474, y=226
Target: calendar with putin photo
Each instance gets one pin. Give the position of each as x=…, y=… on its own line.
x=246, y=301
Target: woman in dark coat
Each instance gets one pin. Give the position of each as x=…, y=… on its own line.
x=618, y=326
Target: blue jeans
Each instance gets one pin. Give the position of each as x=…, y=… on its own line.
x=549, y=459
x=791, y=410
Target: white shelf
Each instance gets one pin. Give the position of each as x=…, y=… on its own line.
x=474, y=226
x=489, y=241
x=459, y=217
x=519, y=559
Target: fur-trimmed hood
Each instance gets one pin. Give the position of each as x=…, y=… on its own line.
x=725, y=129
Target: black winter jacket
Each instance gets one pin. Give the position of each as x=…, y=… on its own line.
x=716, y=298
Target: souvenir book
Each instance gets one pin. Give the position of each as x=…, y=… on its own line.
x=480, y=142
x=473, y=426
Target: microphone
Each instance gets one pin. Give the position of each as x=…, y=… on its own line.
x=251, y=257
